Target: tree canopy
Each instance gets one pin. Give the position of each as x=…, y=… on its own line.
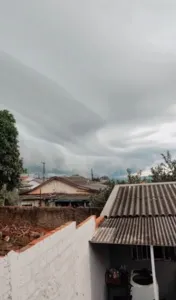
x=165, y=171
x=10, y=161
x=100, y=199
x=132, y=179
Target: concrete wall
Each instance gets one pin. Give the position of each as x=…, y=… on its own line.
x=44, y=270
x=35, y=203
x=99, y=262
x=165, y=270
x=84, y=233
x=48, y=218
x=56, y=266
x=5, y=279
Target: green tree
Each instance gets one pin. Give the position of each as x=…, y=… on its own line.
x=99, y=200
x=132, y=179
x=9, y=198
x=10, y=161
x=165, y=171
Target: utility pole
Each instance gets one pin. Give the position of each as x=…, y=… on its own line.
x=92, y=175
x=43, y=171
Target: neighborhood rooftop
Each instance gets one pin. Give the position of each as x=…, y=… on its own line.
x=139, y=214
x=85, y=185
x=142, y=200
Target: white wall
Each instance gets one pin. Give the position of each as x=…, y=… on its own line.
x=57, y=267
x=83, y=276
x=30, y=202
x=5, y=280
x=99, y=262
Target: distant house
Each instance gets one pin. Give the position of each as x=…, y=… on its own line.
x=28, y=183
x=61, y=191
x=35, y=182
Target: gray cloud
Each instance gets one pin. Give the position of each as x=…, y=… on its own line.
x=90, y=84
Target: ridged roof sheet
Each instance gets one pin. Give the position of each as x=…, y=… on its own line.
x=156, y=231
x=142, y=200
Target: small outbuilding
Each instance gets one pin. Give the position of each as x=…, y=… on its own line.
x=138, y=235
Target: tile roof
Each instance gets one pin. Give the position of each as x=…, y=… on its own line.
x=77, y=179
x=157, y=231
x=151, y=199
x=86, y=183
x=90, y=187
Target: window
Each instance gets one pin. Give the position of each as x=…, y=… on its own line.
x=160, y=253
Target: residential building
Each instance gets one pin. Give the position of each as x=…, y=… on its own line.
x=61, y=191
x=132, y=242
x=139, y=231
x=28, y=183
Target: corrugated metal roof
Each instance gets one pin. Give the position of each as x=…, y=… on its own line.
x=142, y=200
x=157, y=231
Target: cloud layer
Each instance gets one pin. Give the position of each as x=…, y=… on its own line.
x=91, y=83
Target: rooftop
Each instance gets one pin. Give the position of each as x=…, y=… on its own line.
x=152, y=199
x=157, y=231
x=139, y=214
x=80, y=182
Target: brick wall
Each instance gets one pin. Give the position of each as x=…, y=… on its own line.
x=56, y=266
x=48, y=218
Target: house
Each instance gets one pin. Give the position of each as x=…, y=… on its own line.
x=28, y=182
x=133, y=242
x=136, y=230
x=61, y=191
x=139, y=232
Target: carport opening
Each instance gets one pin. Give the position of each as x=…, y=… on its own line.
x=115, y=260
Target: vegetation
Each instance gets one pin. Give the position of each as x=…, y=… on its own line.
x=10, y=161
x=165, y=171
x=134, y=178
x=100, y=199
x=9, y=198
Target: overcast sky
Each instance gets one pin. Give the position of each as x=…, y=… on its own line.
x=91, y=83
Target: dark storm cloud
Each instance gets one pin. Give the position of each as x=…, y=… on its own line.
x=92, y=81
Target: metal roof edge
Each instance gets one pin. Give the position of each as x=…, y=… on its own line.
x=110, y=202
x=148, y=183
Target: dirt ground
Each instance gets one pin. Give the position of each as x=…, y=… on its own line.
x=13, y=237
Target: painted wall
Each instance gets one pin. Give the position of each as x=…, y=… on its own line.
x=54, y=267
x=99, y=262
x=35, y=203
x=56, y=186
x=84, y=233
x=165, y=271
x=5, y=279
